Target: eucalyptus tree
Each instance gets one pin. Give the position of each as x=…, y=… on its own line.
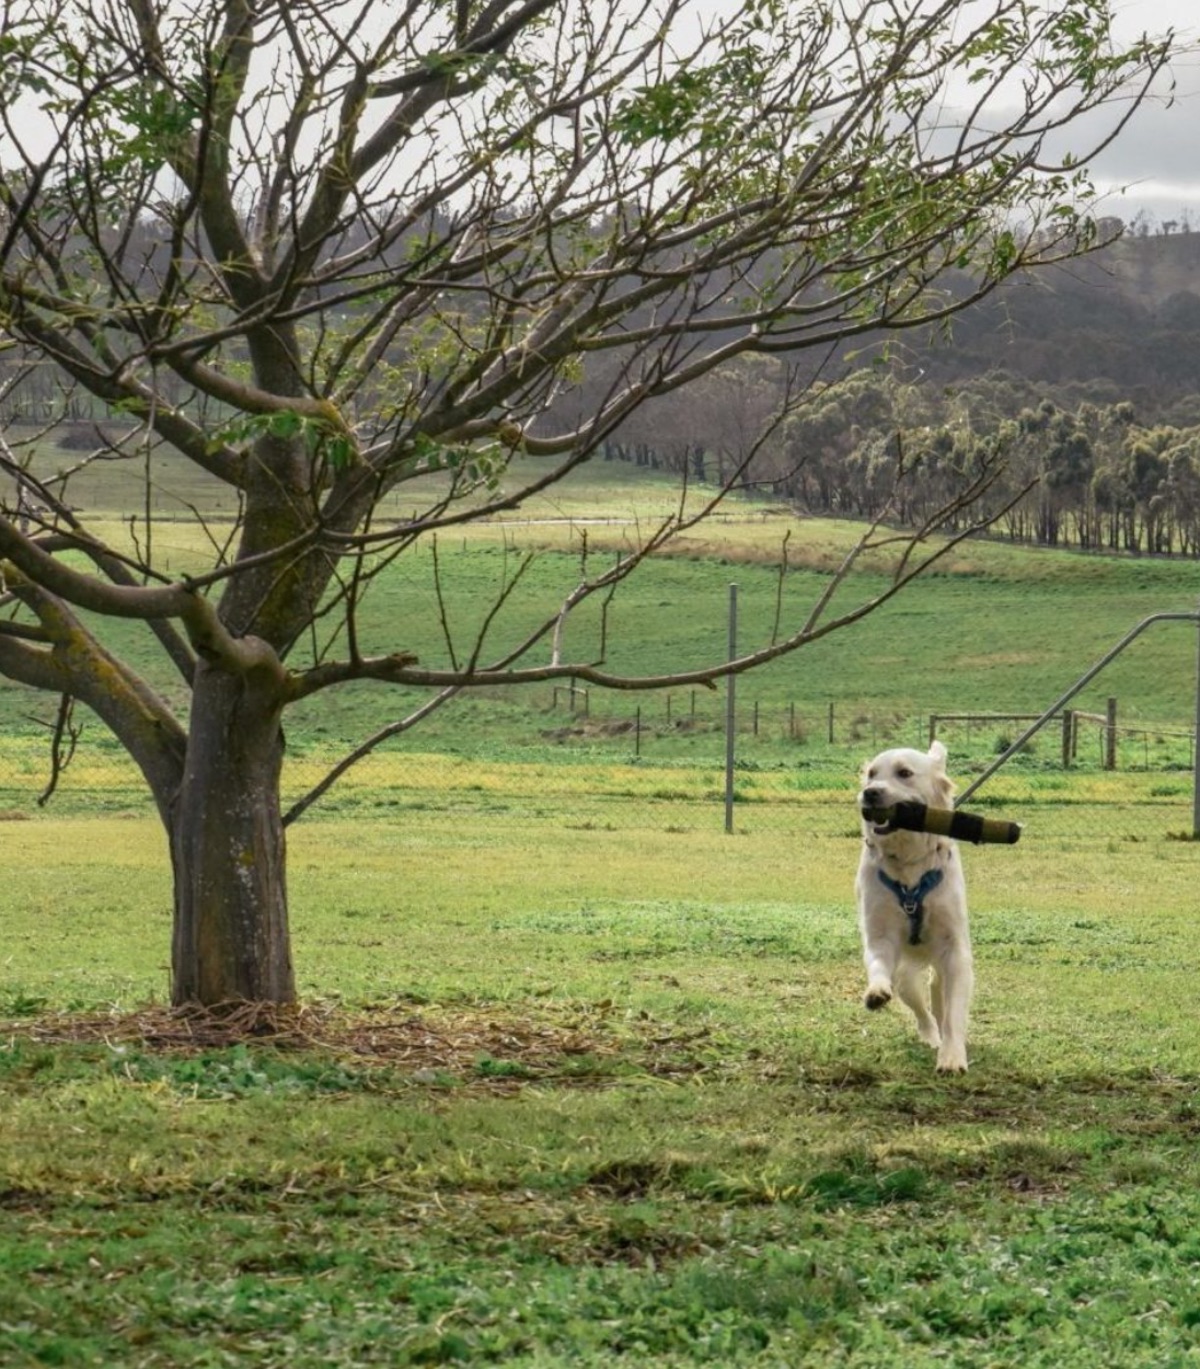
x=329, y=249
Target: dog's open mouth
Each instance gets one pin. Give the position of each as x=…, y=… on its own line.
x=881, y=820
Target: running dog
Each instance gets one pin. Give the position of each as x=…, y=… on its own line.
x=912, y=905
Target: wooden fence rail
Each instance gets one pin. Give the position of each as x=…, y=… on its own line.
x=1070, y=718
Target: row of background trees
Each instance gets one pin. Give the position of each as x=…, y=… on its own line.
x=1094, y=475
x=1076, y=473
x=1081, y=383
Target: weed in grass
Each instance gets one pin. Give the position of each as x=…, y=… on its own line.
x=16, y=1003
x=238, y=1072
x=488, y=1068
x=840, y=1188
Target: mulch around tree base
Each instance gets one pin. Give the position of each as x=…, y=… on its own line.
x=493, y=1046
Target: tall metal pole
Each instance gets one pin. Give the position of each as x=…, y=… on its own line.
x=730, y=710
x=1196, y=746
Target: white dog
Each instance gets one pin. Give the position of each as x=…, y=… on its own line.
x=912, y=905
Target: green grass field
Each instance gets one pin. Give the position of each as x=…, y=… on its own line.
x=581, y=1080
x=565, y=1094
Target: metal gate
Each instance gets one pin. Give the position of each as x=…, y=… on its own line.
x=1085, y=679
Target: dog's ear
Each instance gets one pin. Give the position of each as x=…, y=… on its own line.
x=943, y=785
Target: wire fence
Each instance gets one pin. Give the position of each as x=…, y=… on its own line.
x=624, y=776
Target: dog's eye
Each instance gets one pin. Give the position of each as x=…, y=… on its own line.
x=904, y=773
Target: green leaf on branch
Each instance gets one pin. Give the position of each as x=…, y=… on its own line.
x=324, y=439
x=1005, y=254
x=665, y=110
x=476, y=467
x=286, y=424
x=340, y=451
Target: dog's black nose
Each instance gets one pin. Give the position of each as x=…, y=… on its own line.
x=872, y=796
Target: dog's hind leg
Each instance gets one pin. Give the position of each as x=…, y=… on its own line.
x=951, y=1003
x=912, y=984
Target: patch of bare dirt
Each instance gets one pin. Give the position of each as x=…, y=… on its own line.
x=586, y=1048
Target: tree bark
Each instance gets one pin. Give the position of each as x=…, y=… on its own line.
x=231, y=942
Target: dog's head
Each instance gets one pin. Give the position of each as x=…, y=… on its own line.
x=904, y=776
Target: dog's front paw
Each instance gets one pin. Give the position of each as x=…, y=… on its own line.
x=877, y=996
x=951, y=1062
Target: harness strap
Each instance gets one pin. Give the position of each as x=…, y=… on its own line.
x=912, y=899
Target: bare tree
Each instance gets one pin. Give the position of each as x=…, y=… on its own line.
x=323, y=247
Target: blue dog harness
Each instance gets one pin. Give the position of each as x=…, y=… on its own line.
x=912, y=899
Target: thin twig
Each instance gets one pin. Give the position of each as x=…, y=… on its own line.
x=59, y=760
x=364, y=749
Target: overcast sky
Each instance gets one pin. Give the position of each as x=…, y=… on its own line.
x=1157, y=158
x=1153, y=168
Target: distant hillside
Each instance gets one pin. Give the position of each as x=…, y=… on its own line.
x=1121, y=324
x=1151, y=267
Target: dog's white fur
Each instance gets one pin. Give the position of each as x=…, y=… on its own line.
x=935, y=978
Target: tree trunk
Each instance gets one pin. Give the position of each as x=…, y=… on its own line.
x=231, y=942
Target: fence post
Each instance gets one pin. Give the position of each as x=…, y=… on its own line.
x=1067, y=737
x=1196, y=746
x=831, y=724
x=730, y=710
x=1110, y=737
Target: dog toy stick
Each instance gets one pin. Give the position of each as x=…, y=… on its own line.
x=945, y=822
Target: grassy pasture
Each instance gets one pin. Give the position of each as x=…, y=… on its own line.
x=994, y=629
x=593, y=1093
x=580, y=1080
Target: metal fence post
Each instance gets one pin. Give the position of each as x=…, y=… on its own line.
x=1196, y=745
x=1110, y=736
x=730, y=710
